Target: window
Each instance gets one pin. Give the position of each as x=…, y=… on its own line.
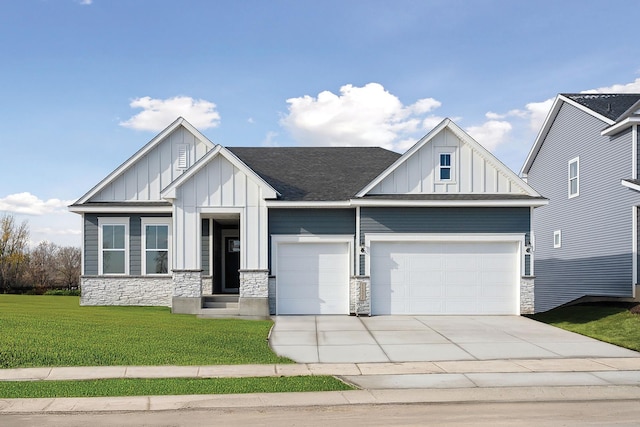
x=156, y=235
x=557, y=239
x=445, y=167
x=574, y=177
x=113, y=243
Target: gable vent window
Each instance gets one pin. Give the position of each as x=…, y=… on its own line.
x=574, y=177
x=445, y=167
x=183, y=156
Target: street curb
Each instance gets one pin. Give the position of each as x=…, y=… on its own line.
x=318, y=399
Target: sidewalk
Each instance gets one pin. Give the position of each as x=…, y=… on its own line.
x=409, y=382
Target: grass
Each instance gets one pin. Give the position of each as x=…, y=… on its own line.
x=56, y=331
x=173, y=386
x=610, y=323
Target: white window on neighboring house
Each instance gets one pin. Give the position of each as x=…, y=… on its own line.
x=113, y=244
x=574, y=177
x=183, y=156
x=557, y=239
x=445, y=166
x=156, y=241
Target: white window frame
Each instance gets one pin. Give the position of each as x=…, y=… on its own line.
x=452, y=166
x=143, y=256
x=102, y=221
x=557, y=239
x=575, y=160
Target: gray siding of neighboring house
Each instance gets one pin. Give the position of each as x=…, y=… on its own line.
x=91, y=251
x=311, y=222
x=511, y=220
x=596, y=253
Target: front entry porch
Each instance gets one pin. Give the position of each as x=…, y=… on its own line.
x=223, y=288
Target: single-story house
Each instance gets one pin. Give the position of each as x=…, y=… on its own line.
x=441, y=229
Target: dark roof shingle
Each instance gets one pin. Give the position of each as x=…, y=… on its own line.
x=609, y=105
x=316, y=173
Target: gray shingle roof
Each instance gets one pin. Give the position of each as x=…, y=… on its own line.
x=452, y=197
x=609, y=105
x=316, y=173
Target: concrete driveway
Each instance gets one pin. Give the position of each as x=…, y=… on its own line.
x=349, y=339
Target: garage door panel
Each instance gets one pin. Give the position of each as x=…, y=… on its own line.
x=444, y=277
x=312, y=278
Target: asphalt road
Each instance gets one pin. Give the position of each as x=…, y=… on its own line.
x=590, y=413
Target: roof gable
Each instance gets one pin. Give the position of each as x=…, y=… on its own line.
x=226, y=167
x=607, y=107
x=142, y=177
x=316, y=173
x=474, y=170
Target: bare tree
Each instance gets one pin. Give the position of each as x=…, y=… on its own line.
x=68, y=262
x=13, y=251
x=43, y=264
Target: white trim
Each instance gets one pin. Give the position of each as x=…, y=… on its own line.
x=452, y=203
x=634, y=152
x=144, y=221
x=634, y=250
x=277, y=239
x=458, y=237
x=120, y=209
x=575, y=160
x=557, y=243
x=274, y=204
x=102, y=221
x=356, y=240
x=620, y=126
x=532, y=243
x=630, y=185
x=140, y=153
x=82, y=246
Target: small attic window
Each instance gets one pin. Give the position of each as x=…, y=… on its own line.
x=445, y=166
x=183, y=156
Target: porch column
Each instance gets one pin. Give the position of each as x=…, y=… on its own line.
x=187, y=291
x=254, y=293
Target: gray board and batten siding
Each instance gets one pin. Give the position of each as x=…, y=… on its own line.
x=596, y=253
x=508, y=220
x=91, y=250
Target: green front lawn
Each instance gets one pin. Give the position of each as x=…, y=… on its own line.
x=56, y=331
x=169, y=386
x=605, y=322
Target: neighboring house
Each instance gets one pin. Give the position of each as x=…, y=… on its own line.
x=441, y=229
x=585, y=161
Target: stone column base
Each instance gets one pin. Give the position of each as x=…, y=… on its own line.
x=360, y=295
x=253, y=307
x=186, y=305
x=527, y=295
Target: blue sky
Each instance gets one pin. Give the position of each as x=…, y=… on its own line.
x=86, y=83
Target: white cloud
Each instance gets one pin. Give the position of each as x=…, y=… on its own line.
x=270, y=139
x=633, y=87
x=358, y=116
x=27, y=203
x=491, y=133
x=159, y=113
x=85, y=2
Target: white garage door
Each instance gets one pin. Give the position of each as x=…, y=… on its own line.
x=444, y=277
x=312, y=278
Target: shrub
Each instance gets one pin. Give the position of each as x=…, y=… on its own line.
x=63, y=292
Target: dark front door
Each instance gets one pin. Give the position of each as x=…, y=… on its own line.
x=231, y=278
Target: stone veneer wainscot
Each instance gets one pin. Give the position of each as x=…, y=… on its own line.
x=129, y=290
